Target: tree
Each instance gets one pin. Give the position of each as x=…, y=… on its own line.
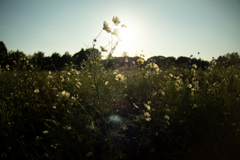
x=56, y=60
x=80, y=56
x=3, y=49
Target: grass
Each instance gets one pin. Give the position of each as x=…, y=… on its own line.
x=145, y=113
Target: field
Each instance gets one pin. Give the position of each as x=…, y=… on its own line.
x=132, y=112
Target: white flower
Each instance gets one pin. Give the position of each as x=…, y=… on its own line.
x=146, y=114
x=67, y=127
x=36, y=90
x=194, y=65
x=45, y=132
x=189, y=86
x=64, y=94
x=73, y=99
x=166, y=117
x=106, y=28
x=120, y=78
x=148, y=119
x=116, y=20
x=147, y=106
x=140, y=61
x=115, y=72
x=106, y=82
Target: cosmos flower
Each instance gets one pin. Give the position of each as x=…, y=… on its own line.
x=116, y=33
x=63, y=94
x=106, y=28
x=146, y=114
x=148, y=119
x=67, y=127
x=36, y=91
x=120, y=78
x=140, y=61
x=194, y=65
x=116, y=20
x=147, y=106
x=166, y=117
x=189, y=86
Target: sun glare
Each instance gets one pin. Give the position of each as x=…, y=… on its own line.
x=126, y=35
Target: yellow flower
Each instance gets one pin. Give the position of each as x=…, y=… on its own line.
x=116, y=20
x=106, y=28
x=140, y=61
x=103, y=49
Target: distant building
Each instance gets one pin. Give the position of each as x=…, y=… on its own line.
x=3, y=49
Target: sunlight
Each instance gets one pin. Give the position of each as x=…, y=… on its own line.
x=126, y=35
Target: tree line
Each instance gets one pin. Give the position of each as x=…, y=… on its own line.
x=57, y=62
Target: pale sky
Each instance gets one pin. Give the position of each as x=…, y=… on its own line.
x=158, y=27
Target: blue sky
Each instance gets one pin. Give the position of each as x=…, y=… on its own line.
x=158, y=27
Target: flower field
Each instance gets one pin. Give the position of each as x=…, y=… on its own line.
x=126, y=113
x=136, y=111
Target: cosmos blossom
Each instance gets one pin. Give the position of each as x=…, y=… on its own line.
x=116, y=20
x=106, y=28
x=116, y=33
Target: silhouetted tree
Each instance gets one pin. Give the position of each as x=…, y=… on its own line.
x=78, y=57
x=56, y=60
x=37, y=59
x=3, y=49
x=65, y=60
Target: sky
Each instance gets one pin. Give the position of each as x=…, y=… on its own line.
x=154, y=27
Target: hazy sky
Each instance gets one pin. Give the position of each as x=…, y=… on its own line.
x=158, y=27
